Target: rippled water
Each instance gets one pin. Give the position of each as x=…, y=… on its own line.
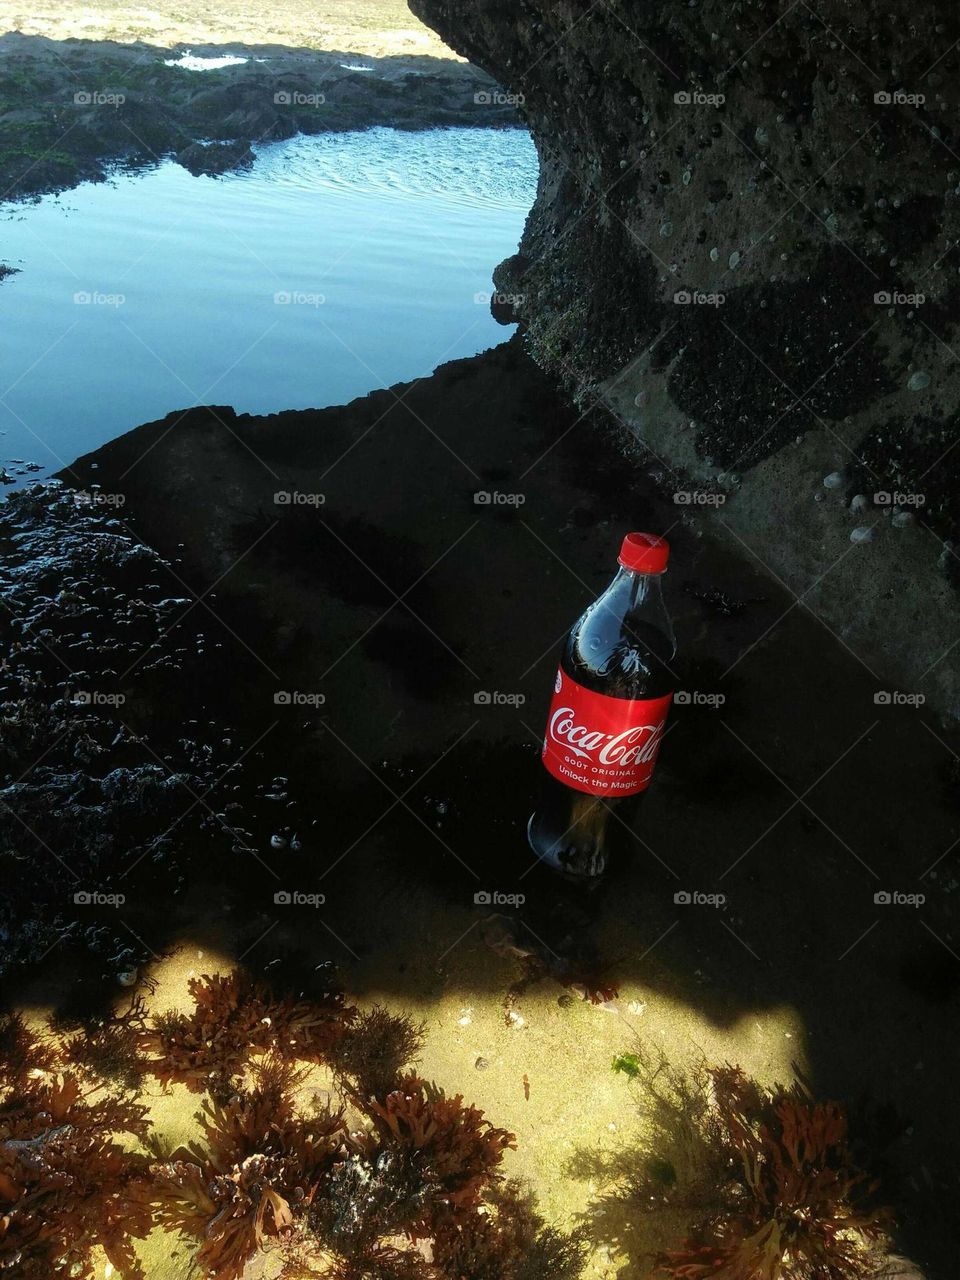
x=337, y=265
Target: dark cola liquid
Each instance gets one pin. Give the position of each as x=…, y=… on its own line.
x=623, y=647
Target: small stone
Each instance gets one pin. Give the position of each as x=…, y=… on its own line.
x=833, y=481
x=515, y=1019
x=666, y=230
x=918, y=380
x=714, y=255
x=640, y=399
x=862, y=533
x=481, y=1064
x=128, y=978
x=734, y=259
x=637, y=1007
x=860, y=502
x=903, y=519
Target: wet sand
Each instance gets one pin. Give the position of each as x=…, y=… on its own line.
x=399, y=598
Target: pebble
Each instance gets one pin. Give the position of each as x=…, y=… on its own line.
x=862, y=533
x=903, y=519
x=833, y=481
x=714, y=255
x=666, y=230
x=918, y=380
x=734, y=259
x=515, y=1019
x=481, y=1064
x=128, y=978
x=637, y=1006
x=640, y=399
x=860, y=502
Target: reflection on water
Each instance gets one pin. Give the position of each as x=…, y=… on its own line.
x=337, y=265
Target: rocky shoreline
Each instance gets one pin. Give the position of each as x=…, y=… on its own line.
x=73, y=111
x=744, y=243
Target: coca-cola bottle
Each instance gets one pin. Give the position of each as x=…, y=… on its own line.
x=612, y=694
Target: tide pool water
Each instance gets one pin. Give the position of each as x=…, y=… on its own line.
x=337, y=265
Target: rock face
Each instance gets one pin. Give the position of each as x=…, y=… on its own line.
x=744, y=242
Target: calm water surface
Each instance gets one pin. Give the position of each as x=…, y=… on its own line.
x=337, y=265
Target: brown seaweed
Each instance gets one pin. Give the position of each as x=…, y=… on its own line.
x=235, y=1017
x=254, y=1175
x=66, y=1182
x=795, y=1205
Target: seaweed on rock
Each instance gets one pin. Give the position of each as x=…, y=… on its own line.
x=794, y=1205
x=254, y=1176
x=235, y=1017
x=67, y=1183
x=375, y=1048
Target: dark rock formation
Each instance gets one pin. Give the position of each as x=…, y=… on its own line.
x=744, y=240
x=69, y=109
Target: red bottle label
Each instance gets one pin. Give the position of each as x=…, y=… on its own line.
x=602, y=745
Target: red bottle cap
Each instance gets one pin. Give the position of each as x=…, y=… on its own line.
x=644, y=553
